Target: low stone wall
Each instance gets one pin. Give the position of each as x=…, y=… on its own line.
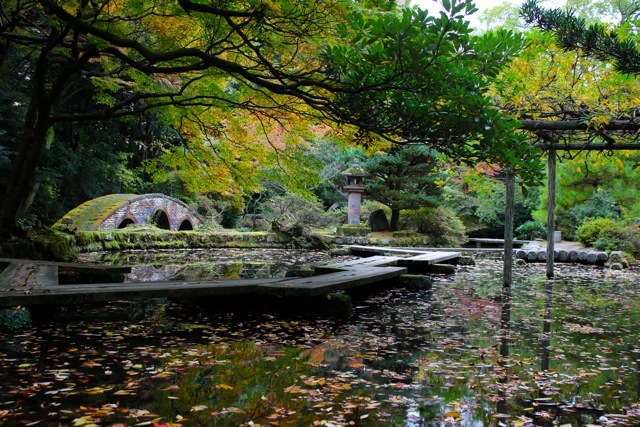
x=583, y=257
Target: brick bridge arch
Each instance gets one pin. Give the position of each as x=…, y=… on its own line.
x=119, y=210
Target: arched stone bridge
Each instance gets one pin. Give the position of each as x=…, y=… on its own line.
x=119, y=210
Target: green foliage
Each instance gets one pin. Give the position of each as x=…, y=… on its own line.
x=442, y=225
x=292, y=210
x=218, y=97
x=490, y=199
x=450, y=70
x=335, y=160
x=531, y=230
x=609, y=234
x=405, y=178
x=368, y=206
x=595, y=185
x=600, y=205
x=596, y=40
x=230, y=217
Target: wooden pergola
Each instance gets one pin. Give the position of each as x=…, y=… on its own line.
x=565, y=135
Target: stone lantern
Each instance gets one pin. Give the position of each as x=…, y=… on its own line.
x=354, y=188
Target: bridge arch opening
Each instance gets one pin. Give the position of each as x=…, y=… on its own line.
x=185, y=225
x=161, y=220
x=125, y=222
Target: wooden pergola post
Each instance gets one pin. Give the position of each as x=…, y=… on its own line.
x=551, y=208
x=508, y=228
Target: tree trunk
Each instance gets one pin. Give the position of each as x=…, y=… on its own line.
x=508, y=229
x=34, y=141
x=551, y=207
x=395, y=218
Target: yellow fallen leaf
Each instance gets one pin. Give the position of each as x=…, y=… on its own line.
x=452, y=414
x=224, y=387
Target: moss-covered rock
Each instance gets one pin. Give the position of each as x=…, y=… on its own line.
x=466, y=260
x=353, y=231
x=416, y=282
x=11, y=319
x=41, y=244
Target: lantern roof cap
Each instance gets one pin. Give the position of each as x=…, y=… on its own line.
x=355, y=169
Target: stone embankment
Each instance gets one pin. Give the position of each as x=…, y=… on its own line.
x=536, y=252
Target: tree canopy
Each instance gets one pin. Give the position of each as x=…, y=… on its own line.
x=404, y=76
x=597, y=40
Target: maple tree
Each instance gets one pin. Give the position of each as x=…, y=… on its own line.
x=406, y=76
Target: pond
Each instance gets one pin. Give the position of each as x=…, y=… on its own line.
x=549, y=352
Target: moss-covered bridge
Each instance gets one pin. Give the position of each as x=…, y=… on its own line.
x=120, y=210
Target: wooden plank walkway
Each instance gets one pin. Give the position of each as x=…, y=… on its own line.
x=47, y=292
x=16, y=274
x=495, y=242
x=373, y=261
x=85, y=267
x=26, y=282
x=412, y=256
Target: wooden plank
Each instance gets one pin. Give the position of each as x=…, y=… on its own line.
x=324, y=283
x=373, y=261
x=311, y=286
x=73, y=294
x=90, y=267
x=381, y=250
x=429, y=258
x=355, y=273
x=495, y=242
x=29, y=275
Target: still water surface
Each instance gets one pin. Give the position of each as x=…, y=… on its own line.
x=465, y=352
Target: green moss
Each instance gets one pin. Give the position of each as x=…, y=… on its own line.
x=353, y=231
x=41, y=244
x=416, y=282
x=89, y=215
x=404, y=233
x=15, y=318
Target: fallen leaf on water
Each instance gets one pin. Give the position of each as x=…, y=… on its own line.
x=452, y=414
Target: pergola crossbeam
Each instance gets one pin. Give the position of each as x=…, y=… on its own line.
x=549, y=132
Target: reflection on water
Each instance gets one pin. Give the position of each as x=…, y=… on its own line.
x=467, y=352
x=210, y=264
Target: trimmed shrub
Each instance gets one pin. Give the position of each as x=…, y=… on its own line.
x=292, y=210
x=608, y=234
x=531, y=230
x=442, y=225
x=600, y=205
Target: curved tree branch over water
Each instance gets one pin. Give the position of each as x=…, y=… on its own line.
x=403, y=76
